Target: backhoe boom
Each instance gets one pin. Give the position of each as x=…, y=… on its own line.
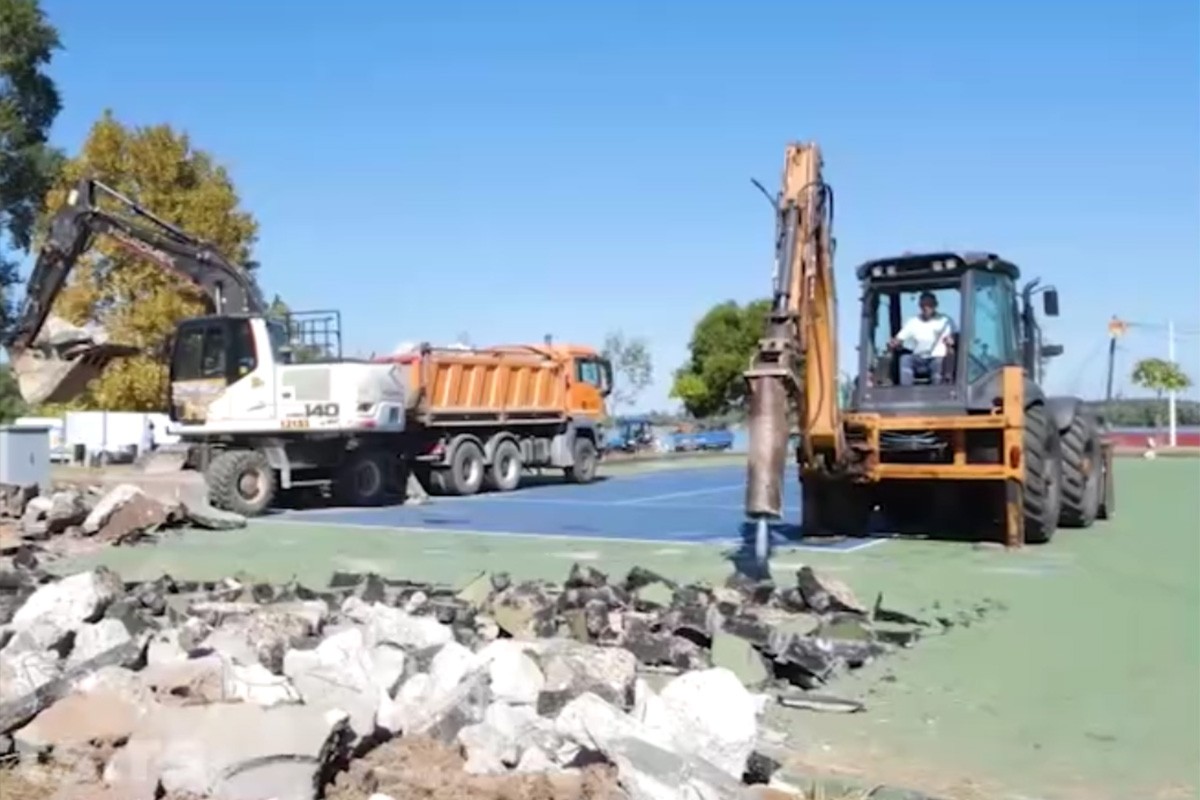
x=794, y=372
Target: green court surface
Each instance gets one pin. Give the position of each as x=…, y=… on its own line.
x=1082, y=682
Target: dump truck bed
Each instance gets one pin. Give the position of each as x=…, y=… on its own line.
x=484, y=386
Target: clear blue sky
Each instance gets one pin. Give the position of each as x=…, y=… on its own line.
x=513, y=169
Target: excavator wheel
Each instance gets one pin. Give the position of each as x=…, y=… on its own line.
x=835, y=508
x=241, y=481
x=1043, y=476
x=366, y=479
x=1082, y=473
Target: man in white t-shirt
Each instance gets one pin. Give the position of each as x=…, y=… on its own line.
x=929, y=338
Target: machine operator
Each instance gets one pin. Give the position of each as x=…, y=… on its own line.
x=929, y=337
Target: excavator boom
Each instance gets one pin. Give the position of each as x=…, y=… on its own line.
x=54, y=361
x=793, y=375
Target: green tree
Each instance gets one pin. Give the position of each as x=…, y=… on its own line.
x=1160, y=376
x=29, y=102
x=135, y=299
x=633, y=369
x=11, y=405
x=721, y=346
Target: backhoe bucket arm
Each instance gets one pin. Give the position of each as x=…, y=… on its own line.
x=54, y=361
x=795, y=367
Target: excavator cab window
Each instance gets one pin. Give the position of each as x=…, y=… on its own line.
x=994, y=336
x=906, y=348
x=213, y=348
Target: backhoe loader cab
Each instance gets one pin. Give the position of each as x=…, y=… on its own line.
x=937, y=330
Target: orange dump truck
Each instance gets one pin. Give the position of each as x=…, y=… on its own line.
x=479, y=418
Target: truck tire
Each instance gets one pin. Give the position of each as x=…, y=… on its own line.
x=586, y=460
x=241, y=481
x=1082, y=473
x=504, y=474
x=365, y=479
x=465, y=475
x=1043, y=476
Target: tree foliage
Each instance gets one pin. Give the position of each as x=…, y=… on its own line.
x=135, y=299
x=11, y=404
x=29, y=102
x=722, y=343
x=1160, y=376
x=633, y=368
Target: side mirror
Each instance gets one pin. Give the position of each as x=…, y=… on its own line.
x=1052, y=350
x=1050, y=302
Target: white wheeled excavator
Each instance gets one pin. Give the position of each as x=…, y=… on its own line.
x=247, y=416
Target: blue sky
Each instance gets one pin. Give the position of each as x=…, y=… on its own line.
x=513, y=169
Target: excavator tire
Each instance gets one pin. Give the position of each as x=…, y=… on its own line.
x=1043, y=476
x=366, y=479
x=241, y=481
x=1082, y=472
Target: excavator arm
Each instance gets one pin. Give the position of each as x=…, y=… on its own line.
x=793, y=375
x=56, y=365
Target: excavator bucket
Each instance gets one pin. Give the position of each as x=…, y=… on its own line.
x=59, y=366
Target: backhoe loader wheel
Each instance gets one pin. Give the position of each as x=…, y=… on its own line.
x=1043, y=476
x=586, y=460
x=241, y=481
x=1083, y=473
x=365, y=479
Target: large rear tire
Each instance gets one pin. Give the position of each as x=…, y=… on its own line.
x=241, y=481
x=1043, y=476
x=1082, y=473
x=586, y=460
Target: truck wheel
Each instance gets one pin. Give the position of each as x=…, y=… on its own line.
x=465, y=476
x=241, y=481
x=365, y=479
x=586, y=460
x=1082, y=473
x=504, y=474
x=1043, y=477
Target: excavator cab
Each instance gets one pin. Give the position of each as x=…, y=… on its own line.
x=938, y=329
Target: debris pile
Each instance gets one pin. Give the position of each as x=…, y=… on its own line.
x=122, y=515
x=240, y=689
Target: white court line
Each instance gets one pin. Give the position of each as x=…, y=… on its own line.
x=723, y=543
x=672, y=495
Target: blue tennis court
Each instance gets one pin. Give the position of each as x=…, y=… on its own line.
x=690, y=505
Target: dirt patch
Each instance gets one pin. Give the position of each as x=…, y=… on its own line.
x=419, y=768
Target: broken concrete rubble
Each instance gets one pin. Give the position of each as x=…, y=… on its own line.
x=253, y=690
x=121, y=515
